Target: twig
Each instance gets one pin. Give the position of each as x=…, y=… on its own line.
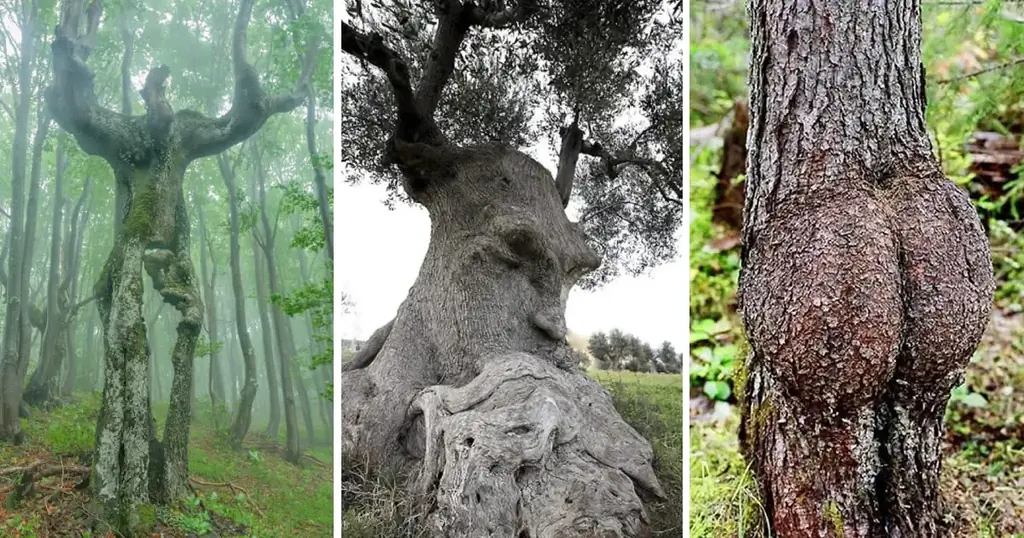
x=972, y=74
x=233, y=488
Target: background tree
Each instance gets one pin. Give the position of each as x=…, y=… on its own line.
x=859, y=330
x=503, y=252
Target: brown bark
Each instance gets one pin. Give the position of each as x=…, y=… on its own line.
x=866, y=280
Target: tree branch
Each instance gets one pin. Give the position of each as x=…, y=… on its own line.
x=250, y=108
x=371, y=49
x=572, y=144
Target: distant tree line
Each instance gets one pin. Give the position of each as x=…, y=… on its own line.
x=617, y=350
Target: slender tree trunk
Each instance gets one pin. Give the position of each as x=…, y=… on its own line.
x=73, y=246
x=866, y=279
x=43, y=384
x=282, y=329
x=16, y=295
x=266, y=334
x=243, y=417
x=216, y=379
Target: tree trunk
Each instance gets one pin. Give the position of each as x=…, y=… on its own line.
x=243, y=415
x=216, y=376
x=262, y=298
x=43, y=384
x=866, y=280
x=16, y=293
x=304, y=405
x=475, y=386
x=73, y=262
x=282, y=329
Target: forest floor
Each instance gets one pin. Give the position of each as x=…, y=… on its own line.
x=375, y=506
x=252, y=493
x=983, y=471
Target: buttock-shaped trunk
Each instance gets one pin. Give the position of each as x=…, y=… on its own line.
x=473, y=388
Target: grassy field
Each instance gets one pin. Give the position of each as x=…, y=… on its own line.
x=982, y=478
x=252, y=493
x=375, y=507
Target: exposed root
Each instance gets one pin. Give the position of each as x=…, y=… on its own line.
x=234, y=489
x=526, y=446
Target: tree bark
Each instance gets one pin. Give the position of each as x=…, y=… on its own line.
x=474, y=388
x=866, y=281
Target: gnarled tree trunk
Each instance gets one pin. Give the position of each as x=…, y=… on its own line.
x=149, y=155
x=866, y=279
x=473, y=386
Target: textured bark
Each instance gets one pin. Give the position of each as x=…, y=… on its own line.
x=866, y=280
x=473, y=387
x=243, y=415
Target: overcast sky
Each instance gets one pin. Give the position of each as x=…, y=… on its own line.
x=381, y=251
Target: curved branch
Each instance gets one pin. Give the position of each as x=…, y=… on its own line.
x=251, y=107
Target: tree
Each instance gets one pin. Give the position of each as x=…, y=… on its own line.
x=471, y=388
x=149, y=155
x=866, y=280
x=600, y=350
x=668, y=361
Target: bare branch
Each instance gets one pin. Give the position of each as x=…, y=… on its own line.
x=250, y=108
x=972, y=74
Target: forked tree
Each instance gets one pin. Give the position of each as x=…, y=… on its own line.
x=149, y=155
x=472, y=388
x=866, y=281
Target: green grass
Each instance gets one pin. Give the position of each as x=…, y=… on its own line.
x=723, y=495
x=252, y=492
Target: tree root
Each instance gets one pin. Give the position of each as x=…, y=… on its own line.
x=528, y=447
x=234, y=489
x=30, y=474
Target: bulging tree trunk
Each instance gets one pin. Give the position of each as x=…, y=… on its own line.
x=866, y=279
x=473, y=386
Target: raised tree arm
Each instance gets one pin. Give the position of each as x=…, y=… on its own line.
x=250, y=107
x=72, y=99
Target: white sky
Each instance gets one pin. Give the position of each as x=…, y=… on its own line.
x=381, y=251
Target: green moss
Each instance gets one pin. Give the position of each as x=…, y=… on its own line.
x=147, y=519
x=140, y=218
x=834, y=517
